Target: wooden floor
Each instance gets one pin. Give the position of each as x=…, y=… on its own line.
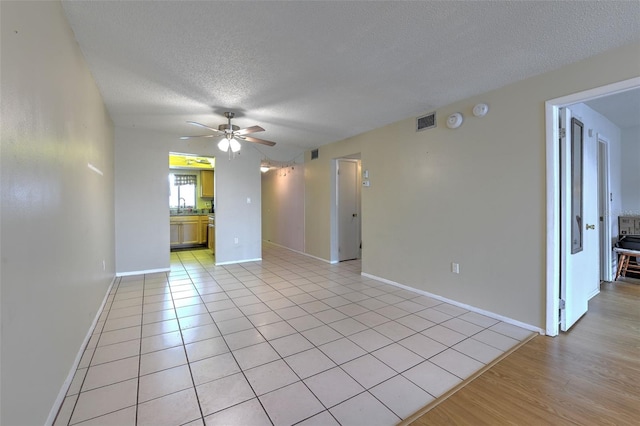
x=588, y=376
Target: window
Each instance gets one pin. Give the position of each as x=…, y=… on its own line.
x=182, y=190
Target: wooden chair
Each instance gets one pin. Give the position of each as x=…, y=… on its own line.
x=624, y=261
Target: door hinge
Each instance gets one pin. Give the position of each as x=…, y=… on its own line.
x=562, y=304
x=563, y=132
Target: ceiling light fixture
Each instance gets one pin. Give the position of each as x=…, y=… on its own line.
x=264, y=168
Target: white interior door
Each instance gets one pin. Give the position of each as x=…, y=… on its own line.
x=579, y=213
x=348, y=209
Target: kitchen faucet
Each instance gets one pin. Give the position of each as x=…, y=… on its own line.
x=184, y=204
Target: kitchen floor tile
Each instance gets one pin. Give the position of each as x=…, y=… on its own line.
x=397, y=357
x=415, y=322
x=321, y=335
x=234, y=325
x=276, y=330
x=422, y=345
x=248, y=413
x=115, y=352
x=432, y=378
x=161, y=341
x=364, y=409
x=213, y=368
x=206, y=348
x=282, y=319
x=394, y=330
x=368, y=370
x=444, y=335
x=333, y=386
x=196, y=334
x=282, y=412
x=160, y=360
x=174, y=409
x=223, y=393
x=478, y=350
x=309, y=362
x=497, y=340
x=100, y=401
x=243, y=339
x=255, y=355
x=370, y=340
x=119, y=336
x=323, y=419
x=341, y=350
x=401, y=396
x=457, y=363
x=110, y=373
x=269, y=377
x=291, y=344
x=305, y=322
x=164, y=383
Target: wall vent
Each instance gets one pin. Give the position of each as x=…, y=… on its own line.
x=314, y=154
x=426, y=122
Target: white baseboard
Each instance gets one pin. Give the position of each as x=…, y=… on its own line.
x=146, y=271
x=331, y=262
x=232, y=262
x=461, y=305
x=65, y=386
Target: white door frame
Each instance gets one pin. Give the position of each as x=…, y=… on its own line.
x=553, y=273
x=604, y=199
x=334, y=238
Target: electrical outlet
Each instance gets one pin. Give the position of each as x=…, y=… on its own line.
x=235, y=240
x=455, y=267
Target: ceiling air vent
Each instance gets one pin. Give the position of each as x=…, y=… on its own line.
x=426, y=122
x=314, y=154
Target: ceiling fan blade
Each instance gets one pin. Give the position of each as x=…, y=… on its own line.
x=251, y=129
x=256, y=140
x=198, y=136
x=206, y=127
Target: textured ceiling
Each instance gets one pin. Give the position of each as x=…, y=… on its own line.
x=312, y=73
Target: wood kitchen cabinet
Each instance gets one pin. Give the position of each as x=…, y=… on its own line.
x=185, y=230
x=204, y=223
x=206, y=184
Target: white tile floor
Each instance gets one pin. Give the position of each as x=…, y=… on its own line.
x=289, y=340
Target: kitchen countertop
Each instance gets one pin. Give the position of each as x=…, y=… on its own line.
x=187, y=213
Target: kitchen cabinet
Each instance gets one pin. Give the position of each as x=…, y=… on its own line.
x=185, y=230
x=206, y=184
x=204, y=223
x=211, y=240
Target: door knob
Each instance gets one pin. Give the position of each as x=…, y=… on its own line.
x=591, y=226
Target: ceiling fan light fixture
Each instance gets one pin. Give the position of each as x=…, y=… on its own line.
x=223, y=145
x=235, y=145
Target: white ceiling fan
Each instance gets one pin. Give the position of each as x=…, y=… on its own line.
x=230, y=133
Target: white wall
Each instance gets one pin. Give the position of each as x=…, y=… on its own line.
x=283, y=207
x=475, y=195
x=631, y=170
x=57, y=221
x=142, y=200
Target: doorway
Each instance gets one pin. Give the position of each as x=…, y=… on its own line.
x=346, y=221
x=557, y=273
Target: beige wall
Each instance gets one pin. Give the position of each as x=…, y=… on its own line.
x=142, y=199
x=57, y=221
x=474, y=195
x=283, y=207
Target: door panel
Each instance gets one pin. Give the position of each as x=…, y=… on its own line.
x=348, y=210
x=579, y=211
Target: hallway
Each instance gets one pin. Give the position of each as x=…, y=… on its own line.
x=288, y=340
